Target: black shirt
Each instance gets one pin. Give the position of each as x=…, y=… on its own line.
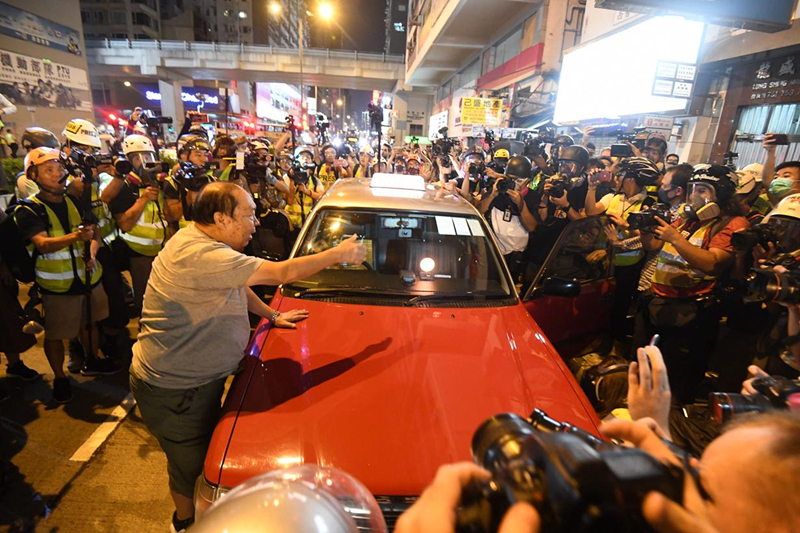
x=127, y=196
x=34, y=222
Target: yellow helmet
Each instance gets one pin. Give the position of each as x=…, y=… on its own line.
x=41, y=155
x=501, y=154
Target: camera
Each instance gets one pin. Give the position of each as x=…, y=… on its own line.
x=774, y=392
x=289, y=126
x=763, y=234
x=504, y=185
x=535, y=143
x=32, y=319
x=375, y=113
x=443, y=146
x=122, y=166
x=79, y=160
x=191, y=177
x=575, y=481
x=649, y=218
x=770, y=286
x=558, y=187
x=475, y=170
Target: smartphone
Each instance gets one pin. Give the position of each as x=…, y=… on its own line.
x=604, y=176
x=779, y=139
x=621, y=150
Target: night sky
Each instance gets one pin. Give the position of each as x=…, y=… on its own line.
x=364, y=22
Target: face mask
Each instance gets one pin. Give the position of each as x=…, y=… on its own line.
x=663, y=195
x=781, y=186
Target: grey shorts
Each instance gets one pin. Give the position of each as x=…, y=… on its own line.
x=182, y=420
x=65, y=314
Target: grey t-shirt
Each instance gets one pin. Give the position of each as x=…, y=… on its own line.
x=194, y=326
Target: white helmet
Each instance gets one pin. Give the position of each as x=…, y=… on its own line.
x=749, y=178
x=304, y=499
x=83, y=132
x=788, y=207
x=136, y=143
x=42, y=155
x=258, y=145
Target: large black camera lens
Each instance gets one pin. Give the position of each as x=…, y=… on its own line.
x=725, y=405
x=491, y=439
x=762, y=234
x=774, y=287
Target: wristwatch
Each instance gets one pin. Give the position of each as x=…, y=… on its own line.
x=274, y=317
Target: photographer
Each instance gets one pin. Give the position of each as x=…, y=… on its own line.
x=194, y=327
x=307, y=188
x=780, y=181
x=750, y=194
x=50, y=222
x=332, y=168
x=137, y=204
x=224, y=155
x=508, y=215
x=183, y=183
x=671, y=160
x=634, y=175
x=693, y=254
x=363, y=169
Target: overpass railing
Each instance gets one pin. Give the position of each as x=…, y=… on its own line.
x=239, y=49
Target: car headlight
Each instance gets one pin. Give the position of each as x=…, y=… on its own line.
x=205, y=494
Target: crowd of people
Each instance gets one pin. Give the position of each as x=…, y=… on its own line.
x=227, y=211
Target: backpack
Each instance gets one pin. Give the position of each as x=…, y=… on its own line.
x=12, y=245
x=604, y=380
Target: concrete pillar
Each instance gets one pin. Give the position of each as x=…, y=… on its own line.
x=171, y=103
x=400, y=122
x=246, y=100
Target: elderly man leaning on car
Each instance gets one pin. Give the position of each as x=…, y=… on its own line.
x=194, y=327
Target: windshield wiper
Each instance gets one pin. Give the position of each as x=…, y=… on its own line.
x=349, y=290
x=470, y=295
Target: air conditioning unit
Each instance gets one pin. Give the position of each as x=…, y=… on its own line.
x=765, y=16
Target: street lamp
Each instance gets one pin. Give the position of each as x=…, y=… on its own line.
x=339, y=102
x=324, y=101
x=275, y=8
x=325, y=11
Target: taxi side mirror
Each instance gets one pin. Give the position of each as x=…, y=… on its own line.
x=556, y=286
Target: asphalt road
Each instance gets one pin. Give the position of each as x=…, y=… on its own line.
x=89, y=465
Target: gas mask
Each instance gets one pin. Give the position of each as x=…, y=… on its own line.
x=702, y=202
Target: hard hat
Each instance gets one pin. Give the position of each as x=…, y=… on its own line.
x=578, y=154
x=83, y=132
x=37, y=137
x=224, y=146
x=788, y=207
x=475, y=150
x=501, y=153
x=197, y=143
x=300, y=149
x=785, y=222
x=137, y=143
x=367, y=150
x=183, y=139
x=518, y=167
x=643, y=171
x=303, y=499
x=41, y=155
x=564, y=140
x=723, y=179
x=757, y=169
x=258, y=145
x=748, y=180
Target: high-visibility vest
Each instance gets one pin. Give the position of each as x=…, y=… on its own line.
x=105, y=222
x=618, y=207
x=327, y=176
x=226, y=174
x=182, y=222
x=295, y=210
x=672, y=270
x=148, y=235
x=56, y=271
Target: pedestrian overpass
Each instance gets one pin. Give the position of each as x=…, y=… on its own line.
x=183, y=60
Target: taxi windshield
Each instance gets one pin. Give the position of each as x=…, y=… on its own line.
x=423, y=255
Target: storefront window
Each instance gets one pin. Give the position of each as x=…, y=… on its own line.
x=529, y=32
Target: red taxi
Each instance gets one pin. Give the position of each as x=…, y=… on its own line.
x=405, y=355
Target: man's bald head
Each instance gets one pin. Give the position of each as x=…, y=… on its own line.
x=216, y=197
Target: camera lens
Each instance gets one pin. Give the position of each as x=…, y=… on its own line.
x=490, y=439
x=725, y=405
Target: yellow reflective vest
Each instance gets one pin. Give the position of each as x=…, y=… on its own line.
x=620, y=206
x=56, y=271
x=672, y=270
x=149, y=234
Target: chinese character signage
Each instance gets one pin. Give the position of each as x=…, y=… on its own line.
x=29, y=27
x=675, y=80
x=481, y=111
x=32, y=81
x=771, y=81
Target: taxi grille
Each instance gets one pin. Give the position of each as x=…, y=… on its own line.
x=393, y=506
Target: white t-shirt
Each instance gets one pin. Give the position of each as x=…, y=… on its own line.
x=194, y=326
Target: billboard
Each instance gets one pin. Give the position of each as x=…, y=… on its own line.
x=587, y=89
x=214, y=101
x=276, y=100
x=32, y=81
x=29, y=27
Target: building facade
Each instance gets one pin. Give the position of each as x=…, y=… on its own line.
x=121, y=19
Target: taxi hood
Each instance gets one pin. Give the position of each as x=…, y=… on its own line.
x=387, y=394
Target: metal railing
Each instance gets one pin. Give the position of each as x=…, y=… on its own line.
x=195, y=46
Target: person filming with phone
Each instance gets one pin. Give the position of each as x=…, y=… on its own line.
x=782, y=180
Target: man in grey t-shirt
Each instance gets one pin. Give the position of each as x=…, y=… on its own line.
x=194, y=327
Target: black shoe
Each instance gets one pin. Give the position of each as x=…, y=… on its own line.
x=178, y=526
x=62, y=390
x=100, y=367
x=21, y=371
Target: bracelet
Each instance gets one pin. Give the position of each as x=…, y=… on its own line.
x=274, y=317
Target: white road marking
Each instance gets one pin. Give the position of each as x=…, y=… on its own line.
x=96, y=439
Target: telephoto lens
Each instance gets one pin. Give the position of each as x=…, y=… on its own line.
x=770, y=286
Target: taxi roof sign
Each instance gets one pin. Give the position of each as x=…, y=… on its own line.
x=384, y=180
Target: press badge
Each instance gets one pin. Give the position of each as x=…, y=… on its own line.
x=507, y=215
